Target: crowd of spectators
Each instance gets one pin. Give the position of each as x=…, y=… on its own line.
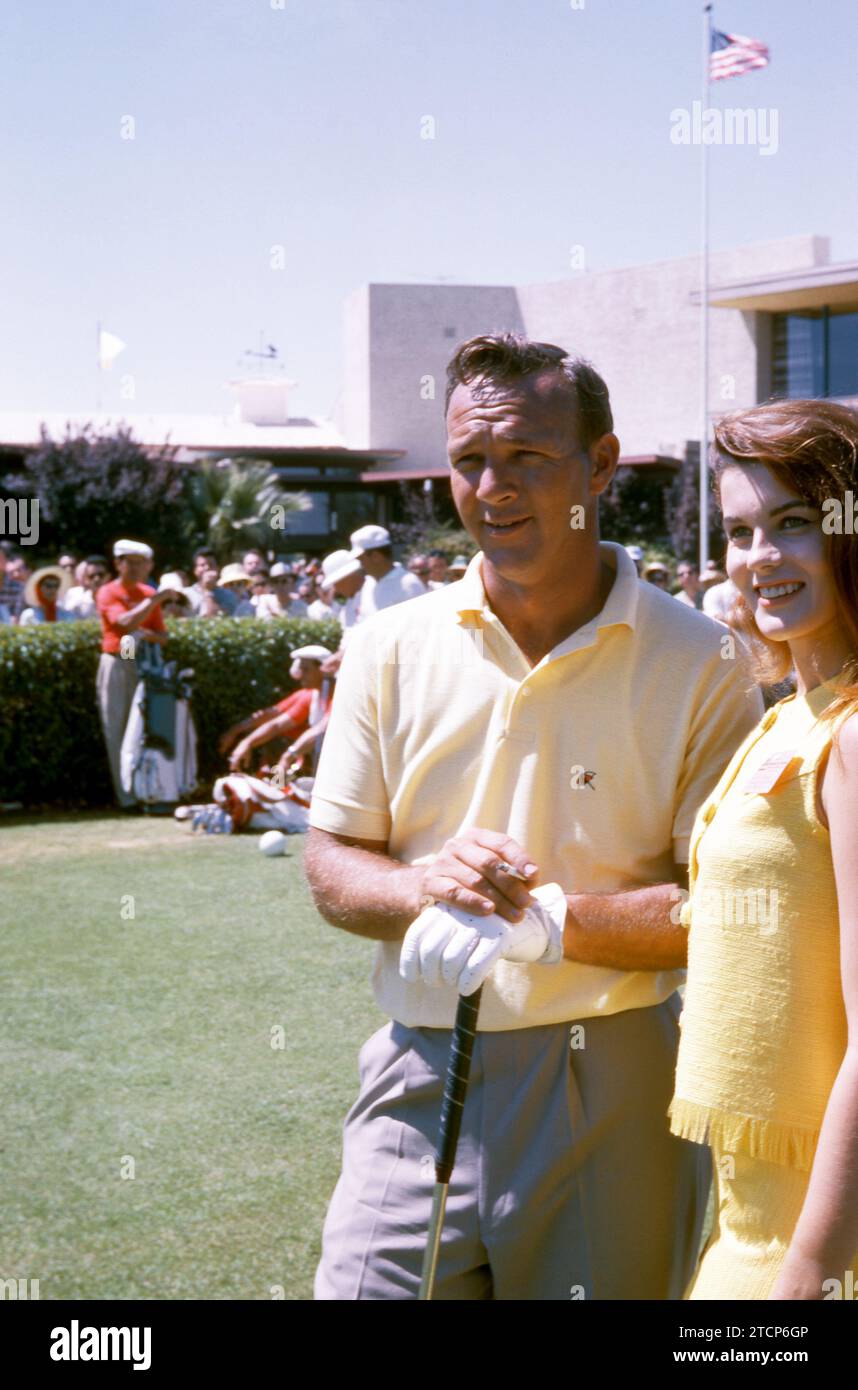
x=346, y=585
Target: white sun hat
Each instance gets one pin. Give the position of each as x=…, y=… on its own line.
x=368, y=538
x=339, y=565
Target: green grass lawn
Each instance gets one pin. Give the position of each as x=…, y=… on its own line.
x=148, y=1038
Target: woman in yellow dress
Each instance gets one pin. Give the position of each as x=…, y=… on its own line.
x=767, y=1071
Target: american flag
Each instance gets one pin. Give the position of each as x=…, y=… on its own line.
x=733, y=54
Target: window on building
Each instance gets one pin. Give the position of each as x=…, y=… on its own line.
x=815, y=353
x=353, y=509
x=315, y=521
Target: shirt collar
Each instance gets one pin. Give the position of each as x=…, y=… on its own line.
x=620, y=608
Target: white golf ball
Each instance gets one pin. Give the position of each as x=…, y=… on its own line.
x=273, y=842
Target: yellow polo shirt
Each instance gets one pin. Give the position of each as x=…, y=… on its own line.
x=595, y=761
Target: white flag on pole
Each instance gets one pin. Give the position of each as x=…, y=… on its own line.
x=109, y=348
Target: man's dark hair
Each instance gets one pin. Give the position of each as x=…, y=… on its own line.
x=98, y=560
x=205, y=552
x=436, y=555
x=507, y=357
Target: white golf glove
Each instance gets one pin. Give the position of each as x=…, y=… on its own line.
x=446, y=945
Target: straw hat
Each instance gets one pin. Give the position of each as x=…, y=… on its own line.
x=233, y=574
x=31, y=597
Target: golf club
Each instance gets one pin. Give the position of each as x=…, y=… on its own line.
x=455, y=1088
x=452, y=1105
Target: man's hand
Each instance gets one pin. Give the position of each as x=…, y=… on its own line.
x=289, y=764
x=239, y=756
x=467, y=874
x=447, y=945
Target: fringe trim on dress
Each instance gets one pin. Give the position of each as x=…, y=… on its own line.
x=765, y=1139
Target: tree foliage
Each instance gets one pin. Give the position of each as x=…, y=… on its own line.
x=94, y=488
x=632, y=512
x=233, y=504
x=683, y=512
x=422, y=527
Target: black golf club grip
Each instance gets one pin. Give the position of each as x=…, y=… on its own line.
x=456, y=1085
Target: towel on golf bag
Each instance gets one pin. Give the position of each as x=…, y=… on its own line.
x=257, y=805
x=158, y=758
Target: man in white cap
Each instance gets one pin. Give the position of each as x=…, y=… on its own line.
x=387, y=582
x=290, y=718
x=127, y=607
x=343, y=574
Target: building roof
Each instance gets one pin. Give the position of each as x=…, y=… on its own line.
x=811, y=288
x=192, y=435
x=188, y=431
x=412, y=475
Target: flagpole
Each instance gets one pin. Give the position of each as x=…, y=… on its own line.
x=704, y=299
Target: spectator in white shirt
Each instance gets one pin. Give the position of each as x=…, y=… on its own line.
x=689, y=591
x=387, y=581
x=419, y=565
x=281, y=602
x=259, y=585
x=343, y=576
x=718, y=599
x=80, y=599
x=321, y=604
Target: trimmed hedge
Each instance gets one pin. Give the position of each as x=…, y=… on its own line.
x=51, y=747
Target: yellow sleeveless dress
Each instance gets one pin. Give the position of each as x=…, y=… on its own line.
x=763, y=1027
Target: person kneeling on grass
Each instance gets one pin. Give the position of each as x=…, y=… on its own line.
x=288, y=719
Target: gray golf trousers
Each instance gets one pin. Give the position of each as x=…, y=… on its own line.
x=567, y=1182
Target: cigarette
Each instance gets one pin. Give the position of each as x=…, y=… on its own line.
x=505, y=868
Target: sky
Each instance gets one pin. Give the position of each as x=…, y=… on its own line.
x=194, y=173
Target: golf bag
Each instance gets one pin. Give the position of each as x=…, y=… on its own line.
x=256, y=805
x=158, y=759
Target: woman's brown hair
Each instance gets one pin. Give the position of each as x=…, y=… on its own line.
x=812, y=447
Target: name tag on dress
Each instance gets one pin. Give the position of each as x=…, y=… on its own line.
x=768, y=774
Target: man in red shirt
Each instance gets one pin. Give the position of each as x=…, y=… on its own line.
x=130, y=612
x=288, y=718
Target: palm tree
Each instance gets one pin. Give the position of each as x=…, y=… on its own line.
x=231, y=504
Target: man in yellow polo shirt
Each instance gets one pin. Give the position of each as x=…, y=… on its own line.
x=551, y=711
